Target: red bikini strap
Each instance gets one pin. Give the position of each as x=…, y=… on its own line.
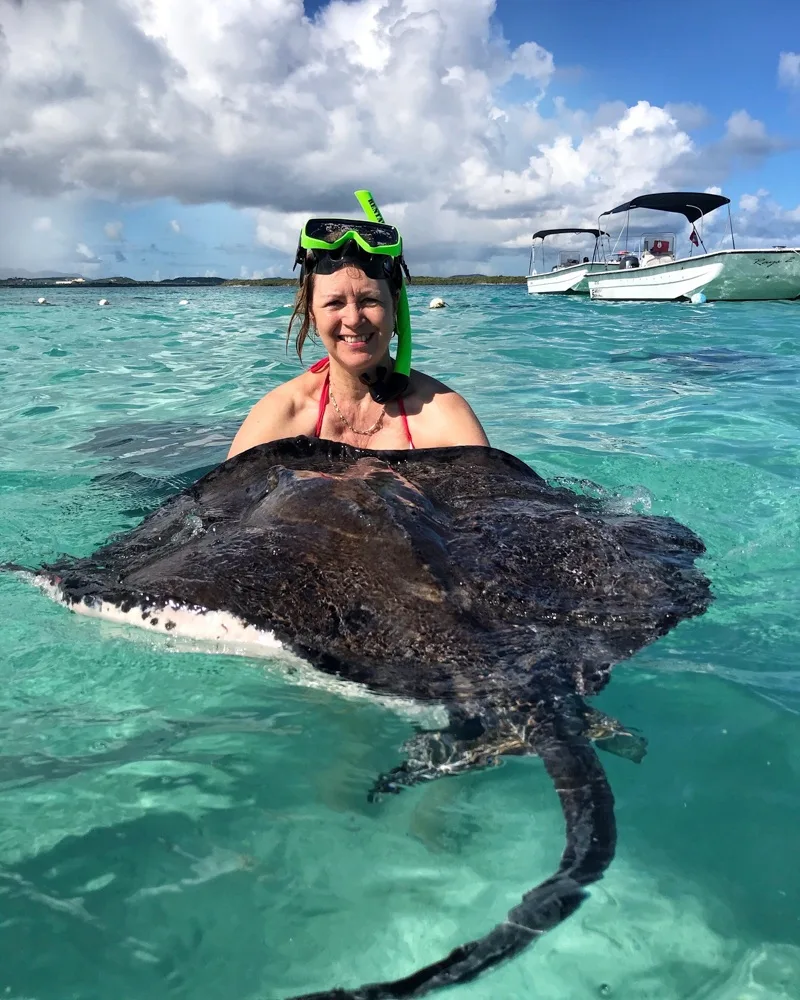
x=404, y=418
x=323, y=403
x=320, y=366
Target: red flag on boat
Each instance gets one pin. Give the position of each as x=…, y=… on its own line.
x=693, y=237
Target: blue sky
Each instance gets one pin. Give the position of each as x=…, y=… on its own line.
x=163, y=139
x=719, y=55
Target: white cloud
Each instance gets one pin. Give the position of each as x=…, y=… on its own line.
x=748, y=203
x=254, y=104
x=246, y=274
x=789, y=69
x=85, y=255
x=752, y=202
x=532, y=62
x=43, y=224
x=688, y=116
x=113, y=230
x=763, y=222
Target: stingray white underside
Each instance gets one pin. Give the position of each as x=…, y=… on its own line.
x=220, y=632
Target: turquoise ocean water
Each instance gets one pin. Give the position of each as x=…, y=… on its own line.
x=177, y=824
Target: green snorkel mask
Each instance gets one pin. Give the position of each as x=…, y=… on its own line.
x=326, y=245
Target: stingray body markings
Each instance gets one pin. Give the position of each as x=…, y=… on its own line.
x=454, y=576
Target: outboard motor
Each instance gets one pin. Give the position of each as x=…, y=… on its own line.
x=629, y=260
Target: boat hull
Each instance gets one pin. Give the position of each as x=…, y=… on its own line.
x=566, y=280
x=727, y=275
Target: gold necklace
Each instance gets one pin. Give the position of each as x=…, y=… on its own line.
x=368, y=433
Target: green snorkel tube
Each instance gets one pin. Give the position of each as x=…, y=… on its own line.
x=395, y=384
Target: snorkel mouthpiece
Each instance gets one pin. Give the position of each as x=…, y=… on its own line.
x=383, y=388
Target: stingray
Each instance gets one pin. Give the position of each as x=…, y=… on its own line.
x=454, y=577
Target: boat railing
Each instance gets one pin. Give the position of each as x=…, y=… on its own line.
x=540, y=253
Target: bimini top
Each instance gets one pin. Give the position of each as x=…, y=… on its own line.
x=693, y=204
x=597, y=233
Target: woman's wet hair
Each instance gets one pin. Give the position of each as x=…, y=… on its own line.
x=302, y=310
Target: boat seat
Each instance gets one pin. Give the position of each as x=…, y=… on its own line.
x=651, y=260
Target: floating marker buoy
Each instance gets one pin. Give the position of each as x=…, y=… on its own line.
x=183, y=302
x=698, y=298
x=437, y=304
x=104, y=302
x=42, y=302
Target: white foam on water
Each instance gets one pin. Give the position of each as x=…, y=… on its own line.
x=221, y=633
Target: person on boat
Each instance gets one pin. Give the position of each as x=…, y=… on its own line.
x=350, y=297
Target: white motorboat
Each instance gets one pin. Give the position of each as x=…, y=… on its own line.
x=730, y=275
x=569, y=274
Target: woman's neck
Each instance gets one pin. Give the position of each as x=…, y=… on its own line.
x=348, y=385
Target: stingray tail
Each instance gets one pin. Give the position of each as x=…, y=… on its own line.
x=588, y=806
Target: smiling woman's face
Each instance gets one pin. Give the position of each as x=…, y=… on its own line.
x=354, y=317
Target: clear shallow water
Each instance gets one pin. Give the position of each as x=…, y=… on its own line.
x=185, y=825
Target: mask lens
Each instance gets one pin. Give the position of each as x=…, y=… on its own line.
x=373, y=233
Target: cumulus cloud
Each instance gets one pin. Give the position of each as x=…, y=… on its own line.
x=246, y=274
x=745, y=143
x=86, y=256
x=532, y=62
x=763, y=222
x=748, y=203
x=688, y=116
x=113, y=230
x=789, y=69
x=752, y=202
x=748, y=136
x=252, y=103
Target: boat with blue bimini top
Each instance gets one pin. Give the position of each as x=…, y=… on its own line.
x=654, y=273
x=568, y=276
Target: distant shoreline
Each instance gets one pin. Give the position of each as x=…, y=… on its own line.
x=59, y=283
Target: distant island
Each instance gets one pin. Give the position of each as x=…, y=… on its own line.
x=191, y=282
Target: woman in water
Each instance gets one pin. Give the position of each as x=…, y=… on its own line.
x=348, y=298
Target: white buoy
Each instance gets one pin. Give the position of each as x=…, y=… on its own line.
x=698, y=298
x=437, y=304
x=42, y=302
x=104, y=302
x=183, y=302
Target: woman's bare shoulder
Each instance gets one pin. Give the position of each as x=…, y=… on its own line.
x=279, y=413
x=443, y=417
